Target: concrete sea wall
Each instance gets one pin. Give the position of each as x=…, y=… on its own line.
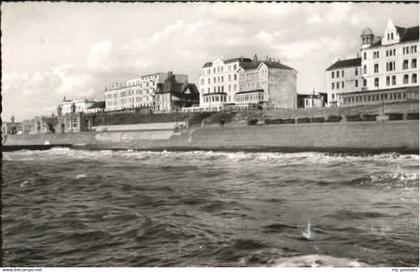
x=391, y=136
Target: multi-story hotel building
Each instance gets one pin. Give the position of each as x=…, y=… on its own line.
x=243, y=81
x=343, y=76
x=387, y=63
x=138, y=92
x=390, y=61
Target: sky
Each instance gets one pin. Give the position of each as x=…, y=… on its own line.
x=73, y=50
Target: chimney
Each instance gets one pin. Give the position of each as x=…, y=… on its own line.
x=255, y=57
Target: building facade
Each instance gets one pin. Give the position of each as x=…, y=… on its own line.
x=75, y=105
x=136, y=93
x=343, y=76
x=390, y=61
x=246, y=81
x=173, y=96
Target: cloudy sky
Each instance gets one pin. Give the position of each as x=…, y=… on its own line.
x=52, y=50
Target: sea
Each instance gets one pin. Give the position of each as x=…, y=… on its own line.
x=127, y=208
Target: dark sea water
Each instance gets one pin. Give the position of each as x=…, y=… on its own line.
x=66, y=207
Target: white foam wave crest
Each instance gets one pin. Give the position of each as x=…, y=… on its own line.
x=317, y=261
x=283, y=158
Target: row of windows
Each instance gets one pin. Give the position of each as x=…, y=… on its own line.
x=392, y=52
x=219, y=79
x=214, y=98
x=337, y=74
x=390, y=66
x=407, y=49
x=249, y=97
x=336, y=85
x=220, y=69
x=378, y=97
x=393, y=80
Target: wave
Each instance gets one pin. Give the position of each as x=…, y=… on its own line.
x=298, y=158
x=317, y=260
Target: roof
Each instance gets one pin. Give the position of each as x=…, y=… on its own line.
x=345, y=63
x=177, y=88
x=407, y=34
x=97, y=105
x=271, y=64
x=252, y=91
x=241, y=59
x=367, y=31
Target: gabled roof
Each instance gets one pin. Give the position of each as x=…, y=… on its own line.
x=241, y=60
x=271, y=64
x=345, y=64
x=408, y=33
x=97, y=105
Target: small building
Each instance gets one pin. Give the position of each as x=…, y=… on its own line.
x=172, y=96
x=313, y=100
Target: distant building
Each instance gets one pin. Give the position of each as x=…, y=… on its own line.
x=136, y=93
x=75, y=105
x=244, y=81
x=44, y=125
x=98, y=106
x=172, y=96
x=343, y=76
x=390, y=61
x=311, y=100
x=11, y=127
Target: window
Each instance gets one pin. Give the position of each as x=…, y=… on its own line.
x=332, y=96
x=393, y=52
x=332, y=86
x=356, y=83
x=234, y=77
x=364, y=69
x=392, y=36
x=356, y=71
x=414, y=78
x=413, y=63
x=405, y=64
x=394, y=80
x=342, y=73
x=332, y=74
x=364, y=82
x=405, y=79
x=376, y=68
x=364, y=55
x=376, y=82
x=342, y=84
x=387, y=81
x=234, y=67
x=337, y=73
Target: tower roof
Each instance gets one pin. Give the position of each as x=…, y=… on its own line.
x=367, y=31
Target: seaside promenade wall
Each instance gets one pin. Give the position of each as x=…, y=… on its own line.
x=390, y=136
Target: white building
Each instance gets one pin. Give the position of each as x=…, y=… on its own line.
x=136, y=93
x=390, y=61
x=79, y=104
x=244, y=81
x=343, y=76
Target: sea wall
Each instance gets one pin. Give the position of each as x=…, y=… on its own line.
x=390, y=136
